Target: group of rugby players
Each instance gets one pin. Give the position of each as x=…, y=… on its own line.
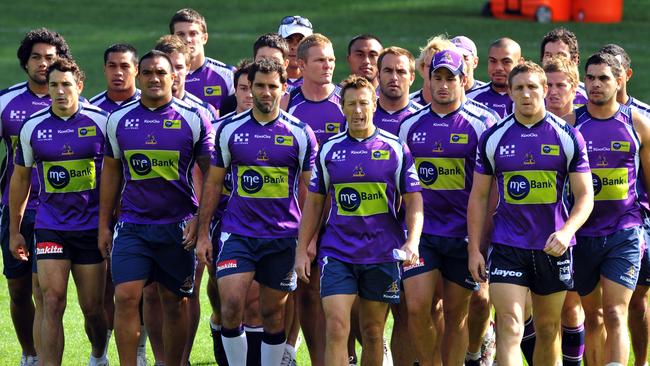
x=376, y=199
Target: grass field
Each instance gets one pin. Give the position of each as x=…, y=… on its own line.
x=234, y=25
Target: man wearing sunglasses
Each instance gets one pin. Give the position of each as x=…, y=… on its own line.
x=293, y=29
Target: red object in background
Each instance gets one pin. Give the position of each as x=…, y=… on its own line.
x=543, y=11
x=597, y=11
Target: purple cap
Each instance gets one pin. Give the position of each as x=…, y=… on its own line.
x=465, y=45
x=293, y=24
x=449, y=59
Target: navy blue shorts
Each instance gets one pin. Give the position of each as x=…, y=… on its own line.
x=14, y=268
x=644, y=272
x=449, y=255
x=616, y=256
x=542, y=273
x=153, y=252
x=374, y=282
x=77, y=246
x=272, y=259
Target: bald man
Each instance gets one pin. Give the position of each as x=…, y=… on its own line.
x=503, y=55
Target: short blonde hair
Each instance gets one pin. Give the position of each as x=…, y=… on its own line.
x=561, y=63
x=308, y=42
x=434, y=45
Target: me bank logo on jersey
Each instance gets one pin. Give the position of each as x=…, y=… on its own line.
x=212, y=90
x=15, y=115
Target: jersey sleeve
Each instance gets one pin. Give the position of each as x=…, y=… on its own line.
x=483, y=163
x=204, y=144
x=408, y=178
x=24, y=152
x=309, y=150
x=221, y=157
x=579, y=161
x=319, y=182
x=112, y=149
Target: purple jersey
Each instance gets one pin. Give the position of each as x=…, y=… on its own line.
x=498, y=102
x=211, y=82
x=366, y=179
x=325, y=117
x=390, y=121
x=613, y=148
x=227, y=186
x=643, y=109
x=266, y=162
x=102, y=101
x=158, y=149
x=67, y=154
x=206, y=110
x=477, y=84
x=418, y=98
x=445, y=170
x=295, y=83
x=531, y=164
x=17, y=103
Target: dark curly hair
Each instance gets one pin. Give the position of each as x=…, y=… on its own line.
x=42, y=35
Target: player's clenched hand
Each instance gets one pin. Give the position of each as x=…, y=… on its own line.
x=189, y=233
x=303, y=265
x=557, y=243
x=204, y=250
x=476, y=265
x=18, y=247
x=412, y=253
x=105, y=242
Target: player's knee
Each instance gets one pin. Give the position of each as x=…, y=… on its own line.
x=638, y=305
x=547, y=329
x=54, y=302
x=126, y=300
x=372, y=332
x=232, y=308
x=614, y=314
x=20, y=294
x=479, y=302
x=337, y=328
x=509, y=326
x=571, y=316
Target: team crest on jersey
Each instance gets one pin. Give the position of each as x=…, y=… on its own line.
x=67, y=150
x=262, y=155
x=151, y=139
x=602, y=161
x=529, y=159
x=212, y=91
x=358, y=171
x=437, y=147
